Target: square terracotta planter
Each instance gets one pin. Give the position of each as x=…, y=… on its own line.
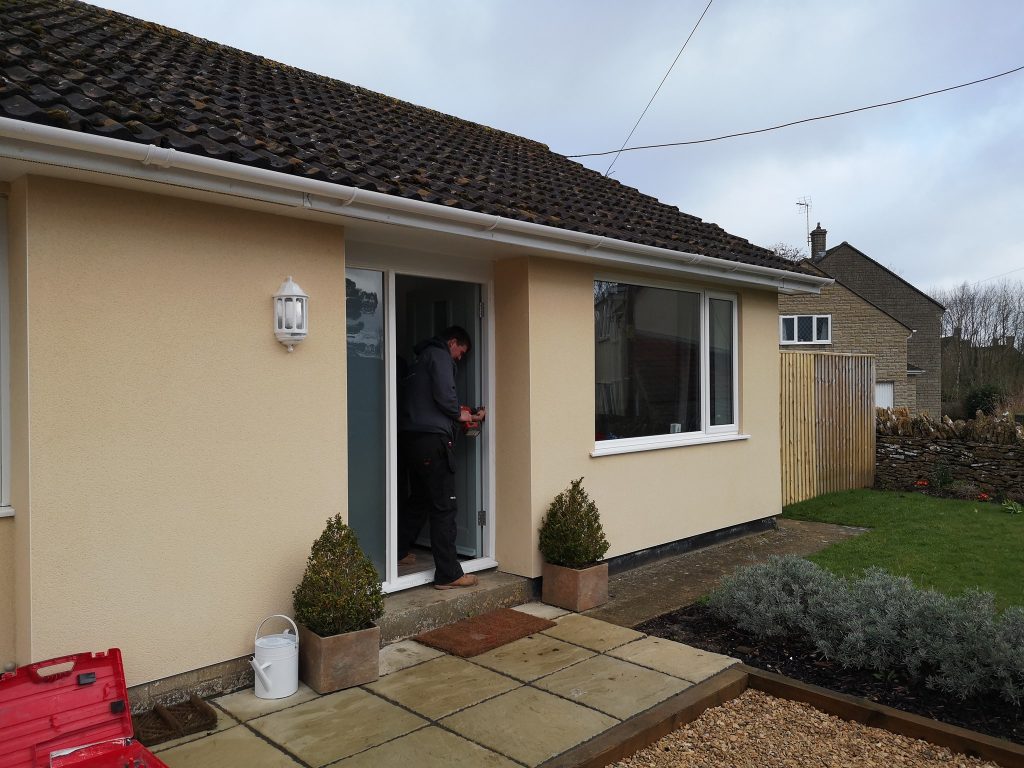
x=329, y=664
x=575, y=589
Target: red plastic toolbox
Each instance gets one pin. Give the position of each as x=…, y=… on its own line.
x=70, y=712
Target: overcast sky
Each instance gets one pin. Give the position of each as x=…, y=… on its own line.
x=934, y=189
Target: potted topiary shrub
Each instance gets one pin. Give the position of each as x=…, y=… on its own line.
x=336, y=605
x=571, y=542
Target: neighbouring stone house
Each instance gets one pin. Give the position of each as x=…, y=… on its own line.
x=870, y=310
x=891, y=293
x=839, y=320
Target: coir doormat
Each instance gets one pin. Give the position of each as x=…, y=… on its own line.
x=165, y=723
x=479, y=634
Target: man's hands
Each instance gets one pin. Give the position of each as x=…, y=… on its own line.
x=466, y=415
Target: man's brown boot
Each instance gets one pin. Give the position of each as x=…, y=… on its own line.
x=466, y=580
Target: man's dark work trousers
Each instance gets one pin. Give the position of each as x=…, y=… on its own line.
x=430, y=459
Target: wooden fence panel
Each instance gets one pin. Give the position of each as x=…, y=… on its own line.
x=828, y=423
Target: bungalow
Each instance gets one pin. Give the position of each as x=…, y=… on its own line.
x=166, y=463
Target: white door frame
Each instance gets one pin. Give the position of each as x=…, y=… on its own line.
x=391, y=262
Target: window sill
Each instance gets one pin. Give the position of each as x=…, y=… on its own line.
x=613, y=447
x=805, y=343
x=6, y=511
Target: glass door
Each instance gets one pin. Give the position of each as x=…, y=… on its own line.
x=387, y=314
x=425, y=307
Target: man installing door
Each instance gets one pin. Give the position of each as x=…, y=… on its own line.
x=428, y=414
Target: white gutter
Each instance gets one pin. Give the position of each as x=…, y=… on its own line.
x=20, y=140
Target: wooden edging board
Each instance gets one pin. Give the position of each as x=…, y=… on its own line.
x=638, y=732
x=859, y=710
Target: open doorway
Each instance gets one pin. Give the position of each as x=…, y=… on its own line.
x=387, y=315
x=424, y=307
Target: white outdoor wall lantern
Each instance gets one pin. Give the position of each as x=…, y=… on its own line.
x=291, y=320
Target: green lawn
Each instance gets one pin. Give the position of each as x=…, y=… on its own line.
x=942, y=544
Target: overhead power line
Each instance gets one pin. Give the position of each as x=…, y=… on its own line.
x=609, y=168
x=794, y=122
x=1002, y=274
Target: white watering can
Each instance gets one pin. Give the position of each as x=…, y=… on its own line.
x=276, y=661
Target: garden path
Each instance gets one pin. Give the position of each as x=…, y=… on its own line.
x=664, y=585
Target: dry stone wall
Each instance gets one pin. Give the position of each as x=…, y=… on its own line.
x=901, y=462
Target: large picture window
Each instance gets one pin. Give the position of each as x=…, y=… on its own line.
x=665, y=364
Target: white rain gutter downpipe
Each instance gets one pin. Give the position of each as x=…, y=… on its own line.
x=81, y=151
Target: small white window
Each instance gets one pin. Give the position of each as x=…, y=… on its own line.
x=805, y=329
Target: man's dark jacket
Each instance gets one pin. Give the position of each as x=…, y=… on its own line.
x=429, y=401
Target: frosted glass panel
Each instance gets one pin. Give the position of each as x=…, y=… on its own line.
x=367, y=417
x=883, y=394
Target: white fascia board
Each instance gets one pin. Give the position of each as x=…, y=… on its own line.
x=20, y=140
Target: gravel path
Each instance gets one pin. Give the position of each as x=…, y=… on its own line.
x=762, y=731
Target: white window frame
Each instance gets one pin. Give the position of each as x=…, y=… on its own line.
x=709, y=434
x=733, y=427
x=392, y=261
x=814, y=328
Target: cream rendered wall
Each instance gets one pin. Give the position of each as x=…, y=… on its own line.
x=515, y=538
x=6, y=523
x=17, y=243
x=646, y=498
x=6, y=591
x=181, y=460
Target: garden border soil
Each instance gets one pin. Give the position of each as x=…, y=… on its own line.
x=636, y=733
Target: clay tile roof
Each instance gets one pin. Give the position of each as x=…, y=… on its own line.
x=82, y=68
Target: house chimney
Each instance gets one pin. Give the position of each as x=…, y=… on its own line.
x=818, y=242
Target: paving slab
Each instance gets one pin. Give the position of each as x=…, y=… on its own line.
x=529, y=725
x=615, y=687
x=336, y=726
x=244, y=705
x=541, y=610
x=441, y=686
x=596, y=635
x=674, y=659
x=430, y=747
x=403, y=654
x=532, y=657
x=236, y=747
